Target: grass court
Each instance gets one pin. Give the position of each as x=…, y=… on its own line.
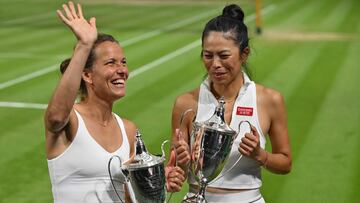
x=309, y=51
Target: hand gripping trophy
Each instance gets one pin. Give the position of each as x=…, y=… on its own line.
x=210, y=146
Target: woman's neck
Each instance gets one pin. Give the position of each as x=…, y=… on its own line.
x=229, y=91
x=98, y=109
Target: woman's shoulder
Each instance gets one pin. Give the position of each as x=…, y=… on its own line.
x=187, y=99
x=269, y=97
x=130, y=129
x=129, y=125
x=193, y=95
x=268, y=93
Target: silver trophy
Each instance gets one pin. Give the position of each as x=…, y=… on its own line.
x=145, y=175
x=210, y=146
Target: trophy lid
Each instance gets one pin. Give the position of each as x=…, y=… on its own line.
x=143, y=159
x=217, y=121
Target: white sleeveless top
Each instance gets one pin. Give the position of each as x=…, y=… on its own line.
x=80, y=173
x=246, y=174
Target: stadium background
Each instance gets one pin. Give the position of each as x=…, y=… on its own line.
x=309, y=51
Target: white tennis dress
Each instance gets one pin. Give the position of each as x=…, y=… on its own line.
x=246, y=174
x=80, y=173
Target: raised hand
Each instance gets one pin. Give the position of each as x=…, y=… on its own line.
x=175, y=176
x=85, y=31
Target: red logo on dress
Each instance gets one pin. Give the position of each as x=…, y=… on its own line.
x=244, y=111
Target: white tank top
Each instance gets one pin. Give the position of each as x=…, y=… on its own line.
x=246, y=174
x=80, y=173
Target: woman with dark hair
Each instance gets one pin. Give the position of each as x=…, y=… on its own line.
x=225, y=49
x=82, y=137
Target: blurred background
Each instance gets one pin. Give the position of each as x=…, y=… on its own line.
x=309, y=51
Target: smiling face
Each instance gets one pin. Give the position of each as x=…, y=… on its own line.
x=222, y=58
x=109, y=72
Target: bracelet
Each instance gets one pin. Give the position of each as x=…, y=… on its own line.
x=266, y=159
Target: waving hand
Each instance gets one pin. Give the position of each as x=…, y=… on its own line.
x=85, y=31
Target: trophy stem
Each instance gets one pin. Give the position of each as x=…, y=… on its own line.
x=201, y=194
x=199, y=197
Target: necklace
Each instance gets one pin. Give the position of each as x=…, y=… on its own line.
x=226, y=100
x=230, y=100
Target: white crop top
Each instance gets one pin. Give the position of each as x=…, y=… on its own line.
x=80, y=173
x=246, y=174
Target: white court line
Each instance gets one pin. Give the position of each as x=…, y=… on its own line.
x=29, y=36
x=167, y=28
x=141, y=69
x=23, y=105
x=27, y=55
x=163, y=59
x=28, y=76
x=28, y=18
x=34, y=34
x=124, y=43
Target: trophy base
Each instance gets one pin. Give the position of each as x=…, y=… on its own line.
x=194, y=199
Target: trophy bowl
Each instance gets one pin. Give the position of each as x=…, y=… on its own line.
x=209, y=151
x=148, y=181
x=144, y=175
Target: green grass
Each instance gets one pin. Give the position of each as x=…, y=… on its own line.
x=317, y=76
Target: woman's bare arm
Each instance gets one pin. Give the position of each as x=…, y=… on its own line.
x=62, y=101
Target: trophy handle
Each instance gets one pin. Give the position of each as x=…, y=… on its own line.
x=241, y=122
x=184, y=114
x=240, y=155
x=163, y=151
x=122, y=172
x=163, y=156
x=183, y=117
x=180, y=125
x=162, y=148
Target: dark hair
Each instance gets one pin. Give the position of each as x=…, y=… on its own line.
x=230, y=21
x=90, y=60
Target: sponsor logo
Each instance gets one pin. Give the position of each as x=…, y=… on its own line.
x=244, y=111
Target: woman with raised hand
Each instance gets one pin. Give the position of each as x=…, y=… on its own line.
x=225, y=49
x=81, y=137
